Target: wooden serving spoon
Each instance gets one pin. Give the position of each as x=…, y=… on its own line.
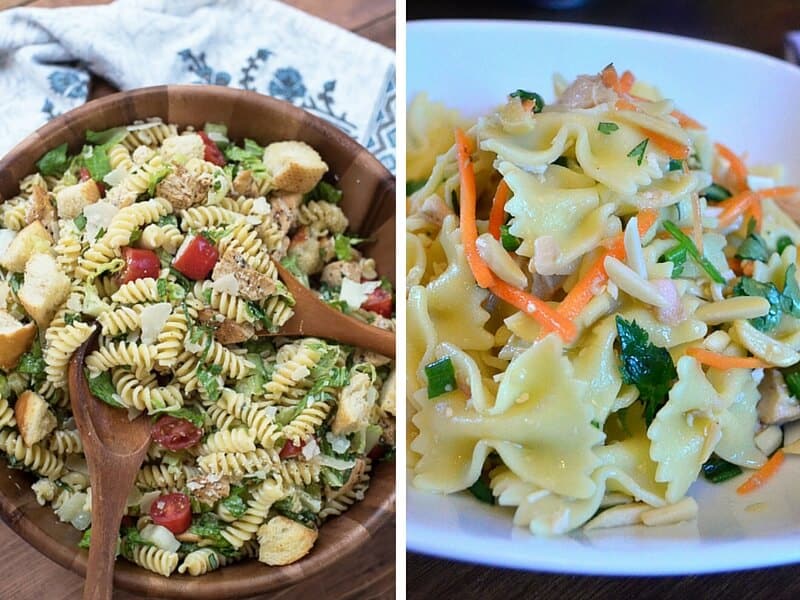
x=312, y=317
x=115, y=448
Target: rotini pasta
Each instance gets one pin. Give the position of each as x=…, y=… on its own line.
x=172, y=261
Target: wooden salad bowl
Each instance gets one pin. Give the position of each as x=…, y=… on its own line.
x=368, y=201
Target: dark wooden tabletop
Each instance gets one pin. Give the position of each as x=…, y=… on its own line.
x=747, y=23
x=367, y=574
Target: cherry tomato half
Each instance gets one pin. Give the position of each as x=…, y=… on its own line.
x=139, y=263
x=196, y=258
x=173, y=511
x=176, y=434
x=379, y=301
x=211, y=152
x=290, y=450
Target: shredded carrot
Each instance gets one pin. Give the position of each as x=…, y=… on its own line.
x=775, y=192
x=756, y=212
x=735, y=264
x=724, y=362
x=671, y=147
x=536, y=308
x=609, y=77
x=498, y=215
x=623, y=104
x=735, y=164
x=697, y=225
x=760, y=477
x=686, y=121
x=626, y=82
x=733, y=208
x=469, y=226
x=646, y=219
x=587, y=286
x=748, y=267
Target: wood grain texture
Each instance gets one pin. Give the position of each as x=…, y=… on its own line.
x=367, y=573
x=758, y=26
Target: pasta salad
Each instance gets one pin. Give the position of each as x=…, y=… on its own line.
x=164, y=241
x=629, y=307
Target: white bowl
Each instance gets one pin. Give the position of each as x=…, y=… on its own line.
x=746, y=100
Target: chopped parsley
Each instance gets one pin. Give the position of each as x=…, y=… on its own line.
x=753, y=248
x=607, y=128
x=645, y=366
x=677, y=256
x=791, y=292
x=538, y=101
x=638, y=151
x=71, y=317
x=747, y=286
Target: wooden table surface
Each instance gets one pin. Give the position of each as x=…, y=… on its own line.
x=369, y=574
x=756, y=25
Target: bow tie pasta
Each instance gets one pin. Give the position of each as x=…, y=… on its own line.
x=602, y=306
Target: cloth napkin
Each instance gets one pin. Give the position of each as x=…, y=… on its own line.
x=47, y=55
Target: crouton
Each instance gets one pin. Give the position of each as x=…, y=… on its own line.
x=34, y=418
x=31, y=240
x=40, y=208
x=183, y=189
x=253, y=285
x=73, y=199
x=15, y=340
x=355, y=405
x=294, y=166
x=44, y=289
x=182, y=147
x=283, y=541
x=285, y=209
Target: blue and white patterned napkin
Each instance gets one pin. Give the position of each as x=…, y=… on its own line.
x=46, y=56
